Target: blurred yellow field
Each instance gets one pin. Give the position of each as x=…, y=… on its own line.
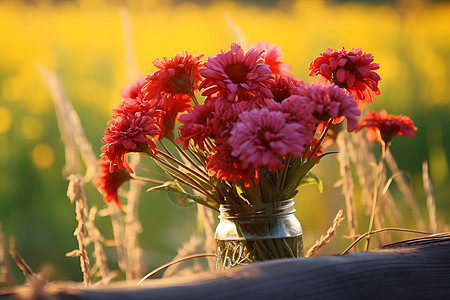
x=87, y=43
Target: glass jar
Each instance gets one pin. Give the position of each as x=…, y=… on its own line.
x=251, y=233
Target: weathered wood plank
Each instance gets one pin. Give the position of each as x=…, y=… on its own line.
x=415, y=269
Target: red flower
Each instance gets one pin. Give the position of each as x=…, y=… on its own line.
x=224, y=166
x=272, y=57
x=133, y=102
x=235, y=73
x=196, y=125
x=128, y=133
x=263, y=136
x=133, y=91
x=352, y=70
x=108, y=183
x=283, y=87
x=171, y=107
x=383, y=127
x=326, y=102
x=178, y=75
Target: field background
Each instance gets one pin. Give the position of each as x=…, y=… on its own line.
x=83, y=42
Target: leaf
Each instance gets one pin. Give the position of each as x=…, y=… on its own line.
x=298, y=170
x=269, y=192
x=311, y=178
x=174, y=188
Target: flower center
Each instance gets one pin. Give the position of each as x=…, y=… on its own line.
x=237, y=72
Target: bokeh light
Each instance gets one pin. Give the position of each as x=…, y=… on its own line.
x=43, y=156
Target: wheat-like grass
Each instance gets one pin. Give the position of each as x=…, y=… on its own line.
x=132, y=229
x=364, y=162
x=101, y=261
x=76, y=144
x=346, y=182
x=20, y=262
x=189, y=248
x=405, y=189
x=5, y=268
x=75, y=193
x=132, y=226
x=206, y=218
x=323, y=240
x=431, y=204
x=65, y=117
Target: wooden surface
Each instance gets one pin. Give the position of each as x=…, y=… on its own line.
x=415, y=269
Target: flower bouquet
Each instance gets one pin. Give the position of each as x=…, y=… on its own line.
x=238, y=134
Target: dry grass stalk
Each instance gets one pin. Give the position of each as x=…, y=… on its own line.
x=64, y=113
x=27, y=271
x=5, y=268
x=206, y=218
x=346, y=182
x=131, y=70
x=236, y=31
x=391, y=210
x=174, y=262
x=75, y=142
x=189, y=248
x=132, y=230
x=431, y=204
x=132, y=226
x=118, y=231
x=405, y=189
x=379, y=221
x=364, y=162
x=101, y=261
x=76, y=194
x=323, y=240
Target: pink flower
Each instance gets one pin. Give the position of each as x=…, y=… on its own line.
x=196, y=125
x=235, y=73
x=326, y=102
x=383, y=127
x=272, y=57
x=109, y=182
x=178, y=75
x=283, y=87
x=352, y=70
x=224, y=166
x=263, y=137
x=214, y=120
x=128, y=133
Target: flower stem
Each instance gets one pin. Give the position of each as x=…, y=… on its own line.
x=140, y=178
x=324, y=133
x=285, y=170
x=181, y=175
x=188, y=158
x=179, y=163
x=192, y=96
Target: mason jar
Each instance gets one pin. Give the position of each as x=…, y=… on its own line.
x=252, y=233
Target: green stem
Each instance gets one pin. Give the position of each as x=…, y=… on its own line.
x=179, y=163
x=188, y=158
x=285, y=170
x=182, y=176
x=146, y=179
x=194, y=98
